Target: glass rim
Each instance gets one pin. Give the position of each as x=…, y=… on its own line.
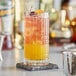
x=43, y=15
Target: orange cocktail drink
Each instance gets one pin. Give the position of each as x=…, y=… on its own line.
x=36, y=39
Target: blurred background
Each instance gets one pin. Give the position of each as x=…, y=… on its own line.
x=61, y=14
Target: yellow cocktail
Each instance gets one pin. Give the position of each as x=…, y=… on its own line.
x=36, y=39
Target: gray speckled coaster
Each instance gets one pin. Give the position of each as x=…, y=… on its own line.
x=50, y=66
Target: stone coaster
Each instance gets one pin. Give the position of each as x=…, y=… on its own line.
x=50, y=66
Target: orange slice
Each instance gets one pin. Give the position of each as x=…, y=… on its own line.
x=39, y=11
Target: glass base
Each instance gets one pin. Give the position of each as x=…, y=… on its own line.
x=36, y=62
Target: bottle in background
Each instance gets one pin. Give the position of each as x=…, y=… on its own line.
x=66, y=29
x=6, y=23
x=73, y=26
x=60, y=30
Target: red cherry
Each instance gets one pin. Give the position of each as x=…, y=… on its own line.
x=32, y=13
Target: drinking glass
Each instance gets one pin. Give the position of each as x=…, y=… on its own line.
x=72, y=16
x=36, y=39
x=69, y=61
x=1, y=43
